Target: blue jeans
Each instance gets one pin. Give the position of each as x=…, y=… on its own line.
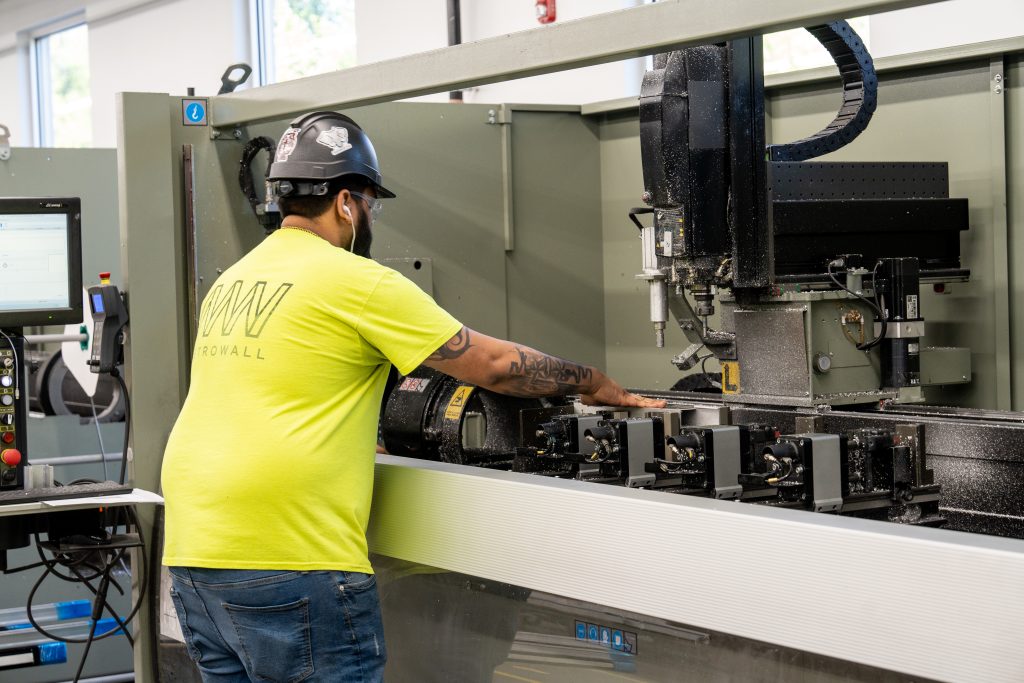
x=244, y=626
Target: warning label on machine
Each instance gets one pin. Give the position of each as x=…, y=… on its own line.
x=458, y=403
x=730, y=377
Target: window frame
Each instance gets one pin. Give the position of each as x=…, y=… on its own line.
x=40, y=100
x=262, y=39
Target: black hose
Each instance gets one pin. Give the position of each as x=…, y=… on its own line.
x=127, y=423
x=268, y=219
x=639, y=211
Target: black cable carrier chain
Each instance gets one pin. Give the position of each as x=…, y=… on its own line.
x=860, y=95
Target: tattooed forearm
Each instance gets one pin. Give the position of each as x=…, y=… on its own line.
x=538, y=374
x=455, y=347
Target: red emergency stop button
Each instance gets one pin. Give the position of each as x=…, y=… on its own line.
x=7, y=437
x=11, y=457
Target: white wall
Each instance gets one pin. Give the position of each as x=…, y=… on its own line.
x=487, y=18
x=10, y=103
x=134, y=45
x=395, y=28
x=945, y=24
x=164, y=47
x=386, y=29
x=17, y=16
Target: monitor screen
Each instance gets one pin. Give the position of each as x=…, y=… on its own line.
x=40, y=262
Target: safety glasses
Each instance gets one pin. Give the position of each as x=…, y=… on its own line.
x=376, y=205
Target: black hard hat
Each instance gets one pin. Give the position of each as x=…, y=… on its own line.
x=320, y=147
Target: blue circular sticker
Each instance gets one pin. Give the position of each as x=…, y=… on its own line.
x=195, y=112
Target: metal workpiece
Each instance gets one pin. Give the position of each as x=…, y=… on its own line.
x=607, y=37
x=720, y=342
x=497, y=515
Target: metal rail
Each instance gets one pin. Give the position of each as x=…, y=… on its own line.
x=609, y=37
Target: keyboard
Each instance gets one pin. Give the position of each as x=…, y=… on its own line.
x=103, y=488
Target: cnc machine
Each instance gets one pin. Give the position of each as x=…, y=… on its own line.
x=813, y=271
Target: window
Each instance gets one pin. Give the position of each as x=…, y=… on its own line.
x=297, y=38
x=63, y=111
x=798, y=49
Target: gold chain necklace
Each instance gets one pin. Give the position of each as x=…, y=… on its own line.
x=295, y=227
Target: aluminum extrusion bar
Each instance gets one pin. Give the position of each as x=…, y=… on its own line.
x=491, y=524
x=608, y=37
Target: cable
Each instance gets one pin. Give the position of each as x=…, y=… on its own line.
x=789, y=470
x=127, y=422
x=85, y=655
x=871, y=304
x=113, y=556
x=639, y=211
x=99, y=435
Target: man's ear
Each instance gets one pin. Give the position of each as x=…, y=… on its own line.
x=341, y=206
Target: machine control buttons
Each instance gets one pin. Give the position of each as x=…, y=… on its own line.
x=6, y=381
x=7, y=419
x=7, y=400
x=8, y=362
x=11, y=457
x=7, y=437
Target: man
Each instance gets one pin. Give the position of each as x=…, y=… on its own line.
x=269, y=469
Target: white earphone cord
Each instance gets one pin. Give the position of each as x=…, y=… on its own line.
x=352, y=247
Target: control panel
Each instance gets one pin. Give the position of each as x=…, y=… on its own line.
x=109, y=317
x=12, y=415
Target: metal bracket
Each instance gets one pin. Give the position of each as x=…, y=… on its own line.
x=502, y=116
x=229, y=84
x=688, y=358
x=718, y=342
x=5, y=142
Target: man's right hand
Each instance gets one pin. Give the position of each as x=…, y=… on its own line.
x=508, y=368
x=610, y=393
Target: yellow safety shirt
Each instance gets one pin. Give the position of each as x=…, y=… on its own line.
x=270, y=463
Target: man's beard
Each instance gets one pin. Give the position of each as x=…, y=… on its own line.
x=364, y=236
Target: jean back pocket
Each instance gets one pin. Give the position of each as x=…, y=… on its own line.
x=276, y=640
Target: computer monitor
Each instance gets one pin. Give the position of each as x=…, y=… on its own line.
x=40, y=261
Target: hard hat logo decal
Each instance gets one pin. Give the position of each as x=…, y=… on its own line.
x=287, y=144
x=336, y=138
